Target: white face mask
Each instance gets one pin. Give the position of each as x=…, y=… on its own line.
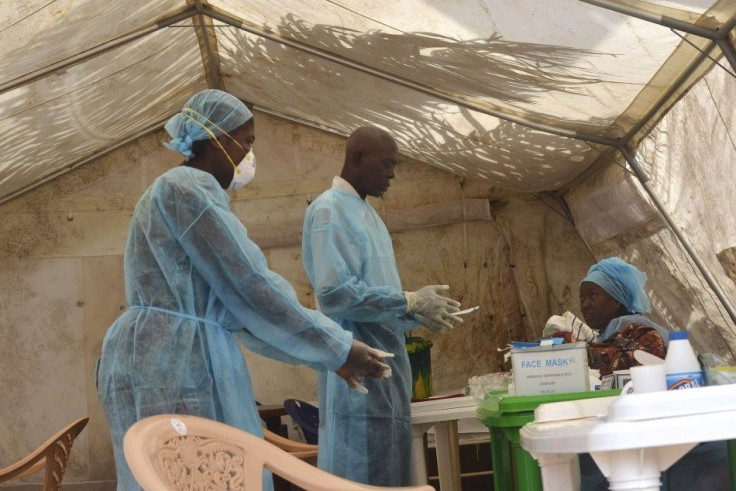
x=244, y=172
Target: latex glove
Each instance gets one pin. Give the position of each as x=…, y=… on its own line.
x=568, y=322
x=364, y=361
x=436, y=326
x=434, y=310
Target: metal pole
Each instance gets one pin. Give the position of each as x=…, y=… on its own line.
x=643, y=179
x=91, y=53
x=728, y=51
x=676, y=85
x=662, y=20
x=445, y=96
x=210, y=52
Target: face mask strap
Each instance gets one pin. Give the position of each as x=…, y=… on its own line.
x=188, y=109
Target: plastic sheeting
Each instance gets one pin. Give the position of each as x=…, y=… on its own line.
x=608, y=206
x=689, y=159
x=64, y=118
x=527, y=96
x=517, y=94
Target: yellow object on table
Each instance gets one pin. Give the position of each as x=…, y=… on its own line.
x=421, y=367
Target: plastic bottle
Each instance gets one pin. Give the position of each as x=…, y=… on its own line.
x=681, y=364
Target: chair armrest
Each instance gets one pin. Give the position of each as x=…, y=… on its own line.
x=297, y=449
x=31, y=464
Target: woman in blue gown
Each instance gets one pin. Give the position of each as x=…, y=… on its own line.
x=196, y=285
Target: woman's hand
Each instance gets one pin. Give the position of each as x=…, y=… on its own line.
x=568, y=322
x=363, y=361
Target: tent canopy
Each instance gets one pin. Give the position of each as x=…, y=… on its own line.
x=528, y=98
x=532, y=101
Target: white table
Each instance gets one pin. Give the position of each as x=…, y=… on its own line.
x=640, y=436
x=443, y=415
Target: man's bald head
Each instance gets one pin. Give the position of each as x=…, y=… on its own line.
x=371, y=154
x=364, y=138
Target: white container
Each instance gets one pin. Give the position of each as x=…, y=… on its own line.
x=647, y=378
x=681, y=364
x=555, y=369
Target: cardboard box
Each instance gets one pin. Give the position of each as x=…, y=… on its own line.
x=550, y=369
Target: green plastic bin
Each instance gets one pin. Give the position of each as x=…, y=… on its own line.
x=504, y=415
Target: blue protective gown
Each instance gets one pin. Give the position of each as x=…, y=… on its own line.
x=194, y=283
x=349, y=259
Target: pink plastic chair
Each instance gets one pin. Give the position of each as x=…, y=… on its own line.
x=176, y=452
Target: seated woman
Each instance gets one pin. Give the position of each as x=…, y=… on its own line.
x=613, y=301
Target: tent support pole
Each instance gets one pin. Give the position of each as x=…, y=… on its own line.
x=728, y=51
x=209, y=54
x=662, y=20
x=671, y=91
x=643, y=179
x=704, y=54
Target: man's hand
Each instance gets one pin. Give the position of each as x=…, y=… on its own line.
x=432, y=309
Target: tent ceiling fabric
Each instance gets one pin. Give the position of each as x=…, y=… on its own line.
x=490, y=68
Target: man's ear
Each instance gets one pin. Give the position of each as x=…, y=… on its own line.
x=356, y=157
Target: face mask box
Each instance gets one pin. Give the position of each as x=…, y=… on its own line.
x=558, y=369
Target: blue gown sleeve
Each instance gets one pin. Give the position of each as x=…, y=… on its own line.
x=262, y=301
x=262, y=348
x=335, y=264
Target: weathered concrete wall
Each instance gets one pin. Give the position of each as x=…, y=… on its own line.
x=61, y=274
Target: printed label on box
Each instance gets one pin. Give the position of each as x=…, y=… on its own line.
x=550, y=369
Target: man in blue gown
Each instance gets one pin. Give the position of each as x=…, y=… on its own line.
x=349, y=260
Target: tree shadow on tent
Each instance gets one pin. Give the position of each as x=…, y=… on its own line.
x=441, y=133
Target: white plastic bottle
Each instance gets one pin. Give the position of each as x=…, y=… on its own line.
x=681, y=364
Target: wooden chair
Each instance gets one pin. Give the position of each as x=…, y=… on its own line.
x=52, y=456
x=187, y=452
